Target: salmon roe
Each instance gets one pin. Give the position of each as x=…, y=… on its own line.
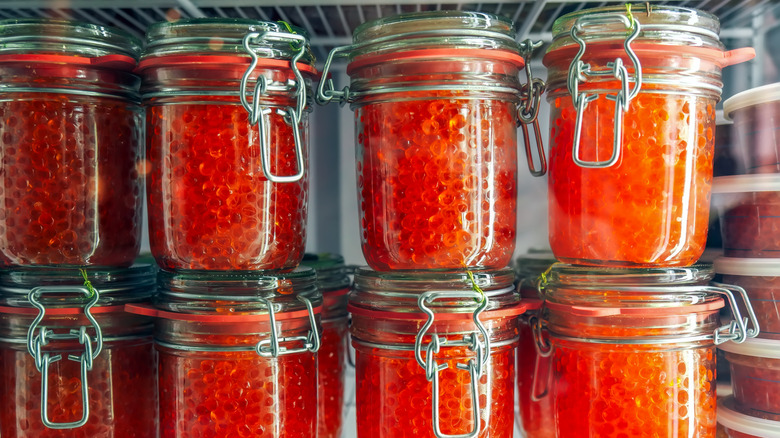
x=756, y=383
x=604, y=390
x=537, y=418
x=751, y=228
x=236, y=394
x=649, y=209
x=210, y=205
x=330, y=370
x=437, y=183
x=122, y=393
x=70, y=185
x=394, y=396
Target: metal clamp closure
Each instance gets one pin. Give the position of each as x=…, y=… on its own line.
x=274, y=346
x=739, y=328
x=542, y=360
x=292, y=116
x=39, y=336
x=326, y=91
x=578, y=72
x=528, y=111
x=475, y=366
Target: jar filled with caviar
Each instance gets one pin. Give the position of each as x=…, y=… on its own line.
x=434, y=353
x=75, y=364
x=437, y=99
x=632, y=95
x=236, y=353
x=632, y=351
x=334, y=283
x=71, y=128
x=227, y=105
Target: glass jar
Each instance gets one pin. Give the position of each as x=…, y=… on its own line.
x=756, y=116
x=236, y=353
x=75, y=363
x=632, y=352
x=227, y=138
x=434, y=353
x=632, y=117
x=437, y=101
x=535, y=410
x=334, y=283
x=71, y=129
x=749, y=209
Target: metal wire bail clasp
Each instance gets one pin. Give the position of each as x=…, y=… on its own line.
x=528, y=111
x=293, y=116
x=579, y=71
x=543, y=352
x=326, y=91
x=38, y=337
x=739, y=328
x=275, y=346
x=475, y=366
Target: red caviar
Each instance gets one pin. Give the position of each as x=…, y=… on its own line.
x=607, y=390
x=236, y=394
x=210, y=205
x=330, y=370
x=756, y=382
x=122, y=393
x=437, y=182
x=751, y=227
x=537, y=418
x=70, y=183
x=394, y=397
x=649, y=209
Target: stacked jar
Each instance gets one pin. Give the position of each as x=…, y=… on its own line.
x=629, y=323
x=237, y=321
x=75, y=364
x=437, y=99
x=749, y=206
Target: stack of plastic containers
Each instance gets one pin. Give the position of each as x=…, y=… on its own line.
x=749, y=207
x=75, y=364
x=437, y=99
x=627, y=333
x=237, y=323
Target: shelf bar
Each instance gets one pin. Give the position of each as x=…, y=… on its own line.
x=189, y=7
x=325, y=22
x=528, y=23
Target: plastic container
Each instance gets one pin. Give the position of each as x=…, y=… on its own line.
x=756, y=116
x=739, y=425
x=437, y=101
x=333, y=282
x=755, y=375
x=227, y=140
x=434, y=357
x=71, y=130
x=56, y=383
x=236, y=353
x=761, y=280
x=632, y=351
x=632, y=118
x=749, y=208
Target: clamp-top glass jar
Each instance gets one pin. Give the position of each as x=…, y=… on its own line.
x=633, y=96
x=632, y=351
x=437, y=101
x=435, y=353
x=75, y=364
x=333, y=282
x=227, y=131
x=71, y=129
x=237, y=353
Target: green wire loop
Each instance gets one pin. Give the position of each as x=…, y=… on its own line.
x=475, y=287
x=630, y=17
x=87, y=283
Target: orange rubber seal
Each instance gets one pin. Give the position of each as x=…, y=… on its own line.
x=515, y=310
x=56, y=311
x=648, y=50
x=221, y=60
x=118, y=62
x=148, y=310
x=635, y=311
x=439, y=54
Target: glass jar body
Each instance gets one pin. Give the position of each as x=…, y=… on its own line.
x=331, y=366
x=73, y=187
x=122, y=383
x=210, y=204
x=537, y=416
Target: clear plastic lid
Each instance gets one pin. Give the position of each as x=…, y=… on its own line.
x=758, y=182
x=762, y=267
x=757, y=347
x=750, y=426
x=751, y=97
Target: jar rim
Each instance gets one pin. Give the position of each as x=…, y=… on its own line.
x=566, y=275
x=752, y=97
x=755, y=347
x=748, y=183
x=331, y=271
x=761, y=267
x=401, y=25
x=730, y=418
x=45, y=35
